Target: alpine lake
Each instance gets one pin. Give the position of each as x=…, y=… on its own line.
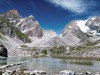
x=53, y=65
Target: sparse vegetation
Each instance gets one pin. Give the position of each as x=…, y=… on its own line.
x=1, y=37
x=20, y=35
x=24, y=46
x=44, y=51
x=58, y=50
x=0, y=72
x=91, y=43
x=82, y=63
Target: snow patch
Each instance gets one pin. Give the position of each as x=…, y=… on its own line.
x=81, y=24
x=24, y=31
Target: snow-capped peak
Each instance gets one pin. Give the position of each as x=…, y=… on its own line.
x=31, y=16
x=81, y=24
x=49, y=33
x=92, y=18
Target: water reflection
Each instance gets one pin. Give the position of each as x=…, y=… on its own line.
x=78, y=62
x=82, y=63
x=13, y=60
x=55, y=65
x=3, y=61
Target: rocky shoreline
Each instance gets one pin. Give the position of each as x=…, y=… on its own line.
x=41, y=72
x=4, y=70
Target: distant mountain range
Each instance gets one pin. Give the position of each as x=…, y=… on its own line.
x=16, y=31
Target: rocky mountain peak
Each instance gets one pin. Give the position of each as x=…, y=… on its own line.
x=13, y=11
x=73, y=29
x=31, y=16
x=96, y=22
x=11, y=14
x=30, y=27
x=70, y=28
x=73, y=25
x=94, y=25
x=49, y=33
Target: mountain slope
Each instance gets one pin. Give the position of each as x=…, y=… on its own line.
x=12, y=16
x=28, y=25
x=73, y=29
x=7, y=29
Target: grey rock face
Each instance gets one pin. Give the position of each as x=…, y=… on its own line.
x=12, y=16
x=7, y=29
x=95, y=24
x=30, y=27
x=73, y=29
x=70, y=29
x=37, y=32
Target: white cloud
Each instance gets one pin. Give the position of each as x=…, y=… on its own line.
x=76, y=6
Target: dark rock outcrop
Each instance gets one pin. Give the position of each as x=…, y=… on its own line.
x=3, y=51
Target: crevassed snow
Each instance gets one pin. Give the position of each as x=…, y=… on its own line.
x=81, y=24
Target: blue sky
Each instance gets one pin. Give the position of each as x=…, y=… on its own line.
x=53, y=14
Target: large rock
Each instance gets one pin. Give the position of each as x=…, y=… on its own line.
x=3, y=51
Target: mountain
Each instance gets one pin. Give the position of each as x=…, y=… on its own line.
x=29, y=26
x=90, y=26
x=94, y=25
x=88, y=33
x=43, y=42
x=12, y=16
x=10, y=37
x=83, y=28
x=9, y=30
x=51, y=39
x=74, y=29
x=19, y=35
x=49, y=34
